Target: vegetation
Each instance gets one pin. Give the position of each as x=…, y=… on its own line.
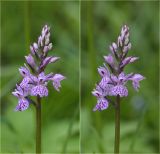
x=81, y=34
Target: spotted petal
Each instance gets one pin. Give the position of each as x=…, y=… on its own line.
x=23, y=104
x=40, y=90
x=120, y=90
x=102, y=104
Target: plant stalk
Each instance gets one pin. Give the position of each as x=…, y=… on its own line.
x=117, y=125
x=38, y=125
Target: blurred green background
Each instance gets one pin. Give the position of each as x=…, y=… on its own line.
x=21, y=25
x=99, y=23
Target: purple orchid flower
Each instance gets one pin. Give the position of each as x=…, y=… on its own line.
x=113, y=82
x=35, y=82
x=56, y=79
x=23, y=102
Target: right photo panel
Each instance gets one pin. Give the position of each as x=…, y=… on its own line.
x=119, y=65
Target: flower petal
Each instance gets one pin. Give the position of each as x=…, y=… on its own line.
x=25, y=84
x=30, y=60
x=23, y=104
x=24, y=71
x=97, y=93
x=135, y=80
x=105, y=85
x=120, y=90
x=19, y=92
x=128, y=60
x=40, y=90
x=56, y=81
x=109, y=59
x=49, y=60
x=124, y=78
x=102, y=104
x=138, y=77
x=103, y=71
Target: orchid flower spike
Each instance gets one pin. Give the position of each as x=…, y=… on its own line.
x=35, y=81
x=113, y=79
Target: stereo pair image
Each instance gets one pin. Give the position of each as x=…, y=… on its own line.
x=110, y=89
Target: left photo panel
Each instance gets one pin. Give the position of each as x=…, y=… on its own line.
x=40, y=77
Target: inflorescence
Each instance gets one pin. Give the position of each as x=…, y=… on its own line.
x=113, y=82
x=35, y=83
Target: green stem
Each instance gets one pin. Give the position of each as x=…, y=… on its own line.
x=117, y=125
x=38, y=126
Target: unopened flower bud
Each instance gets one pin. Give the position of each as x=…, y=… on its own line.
x=47, y=41
x=126, y=41
x=129, y=46
x=114, y=45
x=35, y=45
x=128, y=60
x=48, y=60
x=45, y=30
x=126, y=48
x=32, y=50
x=50, y=46
x=30, y=60
x=111, y=49
x=45, y=49
x=119, y=41
x=39, y=41
x=109, y=59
